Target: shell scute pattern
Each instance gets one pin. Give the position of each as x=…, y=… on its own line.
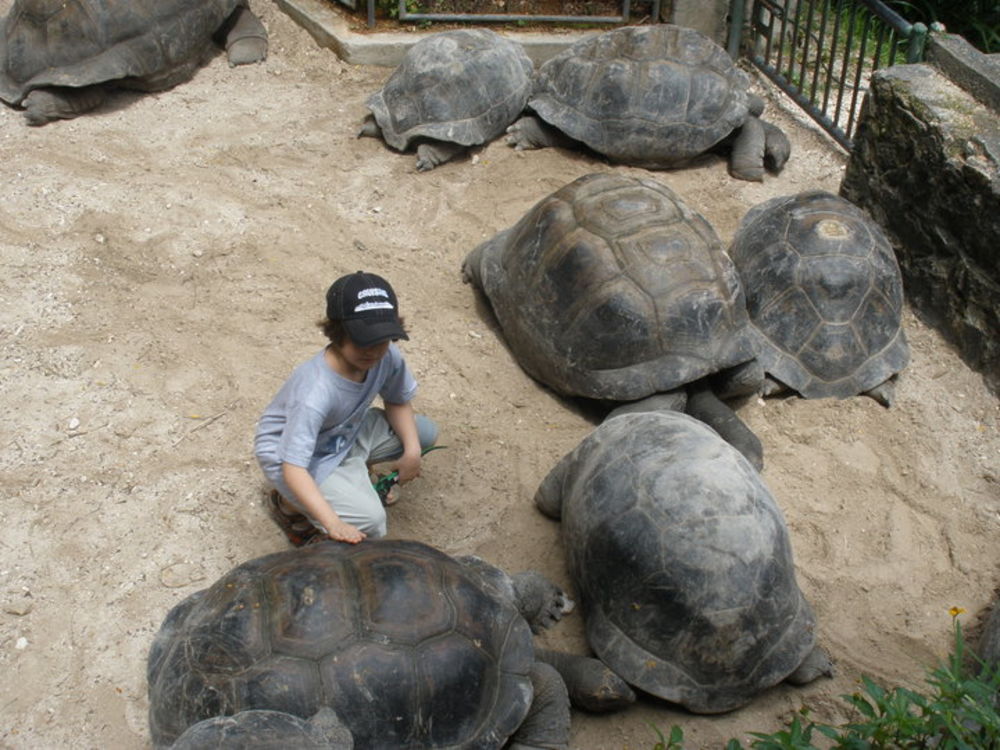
x=824, y=294
x=611, y=287
x=463, y=86
x=683, y=566
x=386, y=636
x=650, y=95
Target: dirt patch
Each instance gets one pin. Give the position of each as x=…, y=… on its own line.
x=164, y=260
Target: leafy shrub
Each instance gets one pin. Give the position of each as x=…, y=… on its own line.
x=960, y=712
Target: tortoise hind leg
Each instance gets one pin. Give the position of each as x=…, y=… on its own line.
x=61, y=103
x=758, y=144
x=746, y=162
x=369, y=128
x=777, y=147
x=884, y=392
x=530, y=132
x=246, y=38
x=816, y=664
x=742, y=380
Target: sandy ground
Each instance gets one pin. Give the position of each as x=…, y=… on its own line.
x=164, y=261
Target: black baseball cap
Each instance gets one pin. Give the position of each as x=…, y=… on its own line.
x=367, y=305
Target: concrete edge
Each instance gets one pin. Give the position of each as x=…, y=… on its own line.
x=330, y=30
x=977, y=73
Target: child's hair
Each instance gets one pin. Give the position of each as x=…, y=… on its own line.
x=336, y=331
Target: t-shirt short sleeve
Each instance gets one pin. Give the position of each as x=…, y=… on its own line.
x=400, y=386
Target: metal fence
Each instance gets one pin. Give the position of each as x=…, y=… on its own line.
x=822, y=52
x=404, y=14
x=624, y=17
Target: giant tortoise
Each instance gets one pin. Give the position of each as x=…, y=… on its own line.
x=650, y=96
x=453, y=90
x=825, y=297
x=58, y=57
x=612, y=288
x=409, y=647
x=682, y=563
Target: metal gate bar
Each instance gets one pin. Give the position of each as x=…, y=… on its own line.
x=405, y=15
x=823, y=52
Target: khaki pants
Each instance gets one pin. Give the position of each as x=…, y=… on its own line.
x=349, y=489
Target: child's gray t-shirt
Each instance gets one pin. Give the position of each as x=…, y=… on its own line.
x=315, y=417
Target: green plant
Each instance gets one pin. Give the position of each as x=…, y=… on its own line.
x=673, y=742
x=959, y=713
x=977, y=20
x=390, y=8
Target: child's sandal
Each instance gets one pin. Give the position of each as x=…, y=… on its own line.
x=295, y=526
x=391, y=497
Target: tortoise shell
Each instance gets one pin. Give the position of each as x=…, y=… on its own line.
x=613, y=288
x=146, y=44
x=652, y=96
x=681, y=559
x=401, y=641
x=463, y=86
x=824, y=294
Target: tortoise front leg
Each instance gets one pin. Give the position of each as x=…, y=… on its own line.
x=435, y=153
x=246, y=39
x=592, y=686
x=61, y=103
x=704, y=405
x=547, y=725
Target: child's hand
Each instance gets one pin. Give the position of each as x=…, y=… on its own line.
x=344, y=532
x=408, y=467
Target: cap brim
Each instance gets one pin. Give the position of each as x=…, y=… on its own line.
x=367, y=333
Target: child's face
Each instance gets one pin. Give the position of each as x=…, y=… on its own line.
x=363, y=358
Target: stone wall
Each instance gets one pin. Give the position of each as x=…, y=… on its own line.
x=710, y=17
x=926, y=166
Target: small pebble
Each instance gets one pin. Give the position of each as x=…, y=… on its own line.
x=20, y=608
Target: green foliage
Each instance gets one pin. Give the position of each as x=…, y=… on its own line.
x=673, y=742
x=390, y=8
x=959, y=713
x=977, y=20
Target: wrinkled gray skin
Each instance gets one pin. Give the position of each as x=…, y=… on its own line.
x=612, y=288
x=453, y=90
x=825, y=297
x=285, y=636
x=988, y=648
x=682, y=562
x=654, y=96
x=267, y=730
x=59, y=62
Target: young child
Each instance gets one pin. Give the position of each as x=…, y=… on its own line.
x=317, y=438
